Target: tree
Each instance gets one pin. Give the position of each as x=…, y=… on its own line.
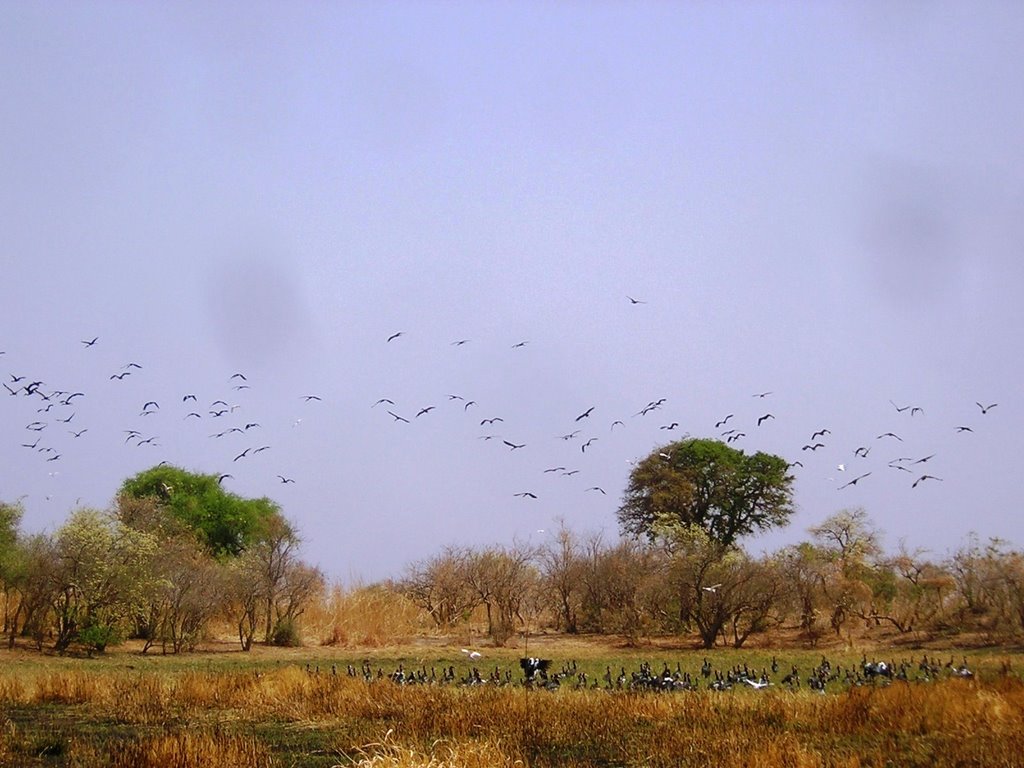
x=225, y=522
x=708, y=484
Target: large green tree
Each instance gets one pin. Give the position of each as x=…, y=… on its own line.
x=225, y=522
x=709, y=484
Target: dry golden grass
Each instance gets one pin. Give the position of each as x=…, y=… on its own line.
x=284, y=716
x=368, y=617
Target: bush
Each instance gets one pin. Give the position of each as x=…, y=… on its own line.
x=96, y=637
x=286, y=634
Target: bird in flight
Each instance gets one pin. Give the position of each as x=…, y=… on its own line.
x=525, y=495
x=285, y=480
x=863, y=452
x=922, y=461
x=396, y=417
x=520, y=344
x=713, y=588
x=569, y=436
x=120, y=376
x=722, y=422
x=761, y=394
x=597, y=488
x=79, y=433
x=554, y=469
x=635, y=301
x=242, y=455
x=899, y=409
x=460, y=342
x=964, y=429
x=222, y=478
x=394, y=336
x=671, y=426
x=468, y=403
x=307, y=398
x=186, y=398
x=814, y=447
x=491, y=421
x=889, y=434
x=583, y=447
x=586, y=413
x=513, y=446
x=985, y=408
x=617, y=422
x=383, y=400
x=792, y=464
x=736, y=436
x=821, y=433
x=765, y=418
x=422, y=411
x=238, y=376
x=93, y=341
x=855, y=480
x=922, y=478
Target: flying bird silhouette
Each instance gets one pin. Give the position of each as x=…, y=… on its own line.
x=422, y=411
x=583, y=447
x=520, y=344
x=597, y=488
x=90, y=343
x=985, y=408
x=761, y=394
x=765, y=418
x=814, y=447
x=394, y=336
x=922, y=478
x=285, y=480
x=889, y=434
x=383, y=400
x=635, y=301
x=854, y=481
x=396, y=417
x=513, y=446
x=586, y=413
x=821, y=433
x=526, y=495
x=723, y=421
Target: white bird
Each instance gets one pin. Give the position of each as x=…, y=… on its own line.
x=713, y=588
x=841, y=467
x=756, y=683
x=472, y=654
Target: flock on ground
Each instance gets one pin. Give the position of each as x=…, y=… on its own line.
x=539, y=673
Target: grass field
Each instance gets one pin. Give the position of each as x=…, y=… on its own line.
x=300, y=708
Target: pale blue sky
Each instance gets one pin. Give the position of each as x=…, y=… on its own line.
x=821, y=200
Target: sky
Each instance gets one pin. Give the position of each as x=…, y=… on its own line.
x=824, y=201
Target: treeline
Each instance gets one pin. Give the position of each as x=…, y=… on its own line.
x=142, y=570
x=173, y=555
x=838, y=583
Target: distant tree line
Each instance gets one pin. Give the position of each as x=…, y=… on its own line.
x=177, y=558
x=173, y=554
x=837, y=583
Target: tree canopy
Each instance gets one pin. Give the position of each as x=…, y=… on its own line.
x=225, y=522
x=709, y=484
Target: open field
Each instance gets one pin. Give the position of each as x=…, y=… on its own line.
x=301, y=708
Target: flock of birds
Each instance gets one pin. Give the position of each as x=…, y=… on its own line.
x=539, y=673
x=55, y=426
